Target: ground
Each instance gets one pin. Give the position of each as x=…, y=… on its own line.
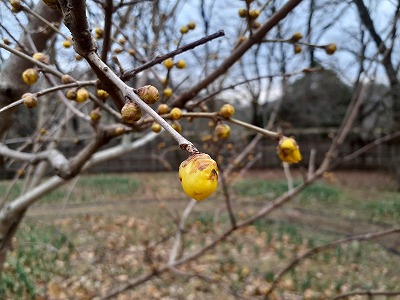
x=98, y=232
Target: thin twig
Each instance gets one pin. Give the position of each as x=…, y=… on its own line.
x=160, y=59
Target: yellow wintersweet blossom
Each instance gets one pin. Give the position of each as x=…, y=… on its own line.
x=288, y=150
x=199, y=176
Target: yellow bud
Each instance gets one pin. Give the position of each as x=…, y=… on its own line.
x=227, y=111
x=148, y=94
x=30, y=100
x=254, y=13
x=156, y=127
x=131, y=112
x=98, y=33
x=288, y=150
x=41, y=57
x=297, y=49
x=6, y=41
x=176, y=113
x=330, y=48
x=78, y=57
x=168, y=63
x=181, y=64
x=30, y=76
x=132, y=52
x=242, y=12
x=67, y=44
x=163, y=109
x=117, y=50
x=82, y=95
x=43, y=131
x=102, y=94
x=184, y=29
x=167, y=92
x=191, y=25
x=16, y=5
x=222, y=131
x=199, y=176
x=95, y=115
x=177, y=126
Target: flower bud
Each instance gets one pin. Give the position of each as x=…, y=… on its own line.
x=242, y=12
x=227, y=111
x=71, y=94
x=184, y=29
x=131, y=112
x=176, y=113
x=288, y=150
x=95, y=114
x=181, y=64
x=191, y=25
x=65, y=79
x=102, y=94
x=254, y=14
x=222, y=131
x=148, y=94
x=163, y=109
x=167, y=92
x=67, y=44
x=30, y=76
x=82, y=95
x=41, y=57
x=297, y=49
x=177, y=126
x=98, y=33
x=156, y=127
x=168, y=63
x=30, y=100
x=16, y=6
x=330, y=48
x=199, y=176
x=297, y=36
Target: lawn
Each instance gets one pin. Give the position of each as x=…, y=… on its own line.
x=101, y=230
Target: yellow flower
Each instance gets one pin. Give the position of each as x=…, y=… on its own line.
x=288, y=150
x=199, y=176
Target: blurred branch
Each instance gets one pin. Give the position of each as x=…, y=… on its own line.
x=367, y=293
x=315, y=250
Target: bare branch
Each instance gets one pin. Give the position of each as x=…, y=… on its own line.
x=160, y=59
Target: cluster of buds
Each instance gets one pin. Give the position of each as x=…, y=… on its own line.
x=185, y=29
x=199, y=176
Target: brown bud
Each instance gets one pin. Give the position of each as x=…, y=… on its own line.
x=65, y=79
x=71, y=94
x=131, y=112
x=30, y=100
x=148, y=94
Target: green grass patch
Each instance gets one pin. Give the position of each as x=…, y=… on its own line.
x=36, y=251
x=271, y=189
x=386, y=208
